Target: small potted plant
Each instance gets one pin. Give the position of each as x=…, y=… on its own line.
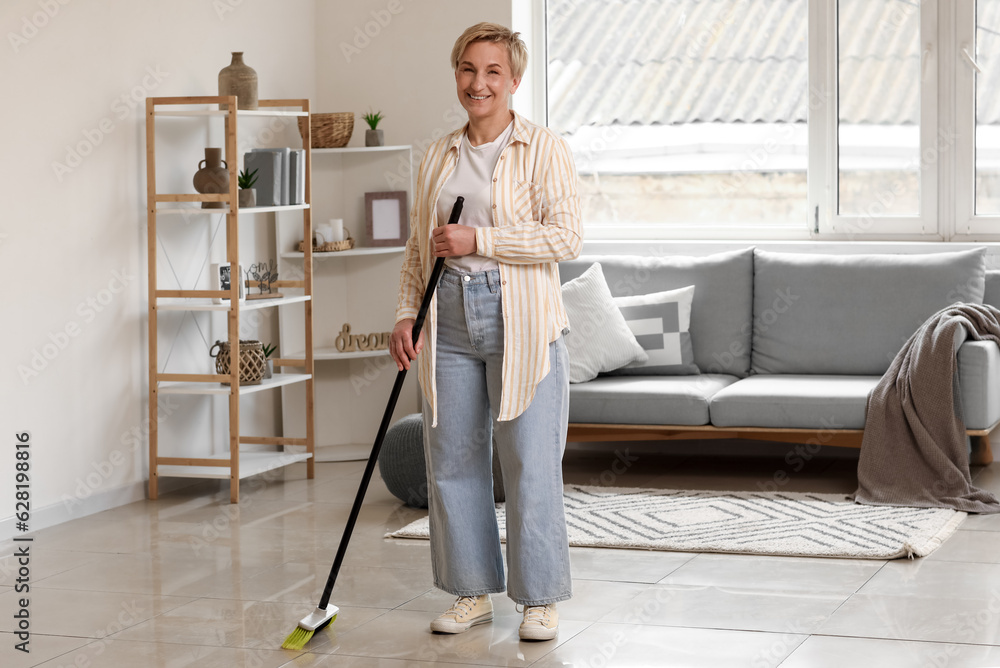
x=268, y=362
x=248, y=194
x=373, y=136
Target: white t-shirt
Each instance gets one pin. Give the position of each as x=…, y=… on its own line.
x=472, y=179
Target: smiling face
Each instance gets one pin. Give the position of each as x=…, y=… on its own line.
x=485, y=81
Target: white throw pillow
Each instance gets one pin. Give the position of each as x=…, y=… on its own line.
x=599, y=340
x=661, y=322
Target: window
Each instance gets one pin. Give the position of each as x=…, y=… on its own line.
x=976, y=134
x=685, y=113
x=986, y=63
x=875, y=164
x=789, y=118
x=878, y=110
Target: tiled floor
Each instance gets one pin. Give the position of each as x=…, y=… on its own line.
x=190, y=580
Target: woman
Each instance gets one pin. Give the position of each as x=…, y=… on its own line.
x=495, y=368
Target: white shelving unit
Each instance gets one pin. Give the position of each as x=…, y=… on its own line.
x=178, y=207
x=251, y=463
x=353, y=252
x=207, y=304
x=190, y=210
x=357, y=286
x=277, y=380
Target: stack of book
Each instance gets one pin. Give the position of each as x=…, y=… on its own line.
x=281, y=175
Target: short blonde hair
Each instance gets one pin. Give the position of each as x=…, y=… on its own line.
x=517, y=52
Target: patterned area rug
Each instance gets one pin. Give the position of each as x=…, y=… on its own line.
x=774, y=523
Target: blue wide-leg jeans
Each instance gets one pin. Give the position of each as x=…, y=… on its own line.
x=465, y=543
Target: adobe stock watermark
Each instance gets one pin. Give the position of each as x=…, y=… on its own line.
x=712, y=30
x=275, y=128
x=229, y=514
x=133, y=440
x=223, y=7
x=635, y=620
x=365, y=33
x=885, y=198
x=757, y=159
x=900, y=15
x=784, y=299
x=620, y=465
x=961, y=293
x=783, y=645
x=586, y=152
x=121, y=109
x=457, y=462
x=968, y=632
x=452, y=118
x=89, y=309
x=374, y=366
x=32, y=24
x=131, y=614
x=798, y=456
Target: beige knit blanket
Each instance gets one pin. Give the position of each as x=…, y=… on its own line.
x=914, y=450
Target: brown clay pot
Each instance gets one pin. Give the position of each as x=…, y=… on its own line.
x=240, y=80
x=212, y=177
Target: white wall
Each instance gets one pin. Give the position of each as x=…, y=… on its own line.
x=75, y=75
x=393, y=55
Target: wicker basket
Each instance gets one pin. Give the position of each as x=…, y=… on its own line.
x=252, y=361
x=329, y=246
x=330, y=130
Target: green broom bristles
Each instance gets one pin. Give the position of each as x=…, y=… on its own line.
x=297, y=639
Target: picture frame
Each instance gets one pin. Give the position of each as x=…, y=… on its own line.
x=386, y=220
x=221, y=277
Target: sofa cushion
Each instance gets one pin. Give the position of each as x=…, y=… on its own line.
x=661, y=323
x=679, y=400
x=850, y=314
x=599, y=338
x=991, y=295
x=794, y=402
x=723, y=303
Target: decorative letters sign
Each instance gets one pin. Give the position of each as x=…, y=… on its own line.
x=352, y=343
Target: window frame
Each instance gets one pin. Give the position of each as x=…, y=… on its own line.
x=968, y=225
x=824, y=134
x=531, y=99
x=947, y=110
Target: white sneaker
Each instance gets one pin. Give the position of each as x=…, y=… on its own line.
x=541, y=622
x=464, y=614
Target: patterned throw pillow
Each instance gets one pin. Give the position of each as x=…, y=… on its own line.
x=660, y=322
x=598, y=338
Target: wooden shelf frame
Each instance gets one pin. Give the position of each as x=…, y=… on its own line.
x=226, y=465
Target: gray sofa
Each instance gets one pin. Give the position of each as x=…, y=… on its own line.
x=788, y=344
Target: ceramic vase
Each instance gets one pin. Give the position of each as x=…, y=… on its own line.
x=240, y=80
x=248, y=198
x=212, y=177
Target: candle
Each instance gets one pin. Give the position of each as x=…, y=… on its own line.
x=337, y=231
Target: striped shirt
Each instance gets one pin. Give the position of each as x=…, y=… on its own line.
x=536, y=223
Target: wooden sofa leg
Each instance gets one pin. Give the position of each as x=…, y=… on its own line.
x=981, y=453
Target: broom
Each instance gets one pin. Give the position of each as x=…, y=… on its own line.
x=325, y=612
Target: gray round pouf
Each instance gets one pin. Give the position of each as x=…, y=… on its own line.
x=403, y=467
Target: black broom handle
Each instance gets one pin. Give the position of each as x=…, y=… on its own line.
x=456, y=213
